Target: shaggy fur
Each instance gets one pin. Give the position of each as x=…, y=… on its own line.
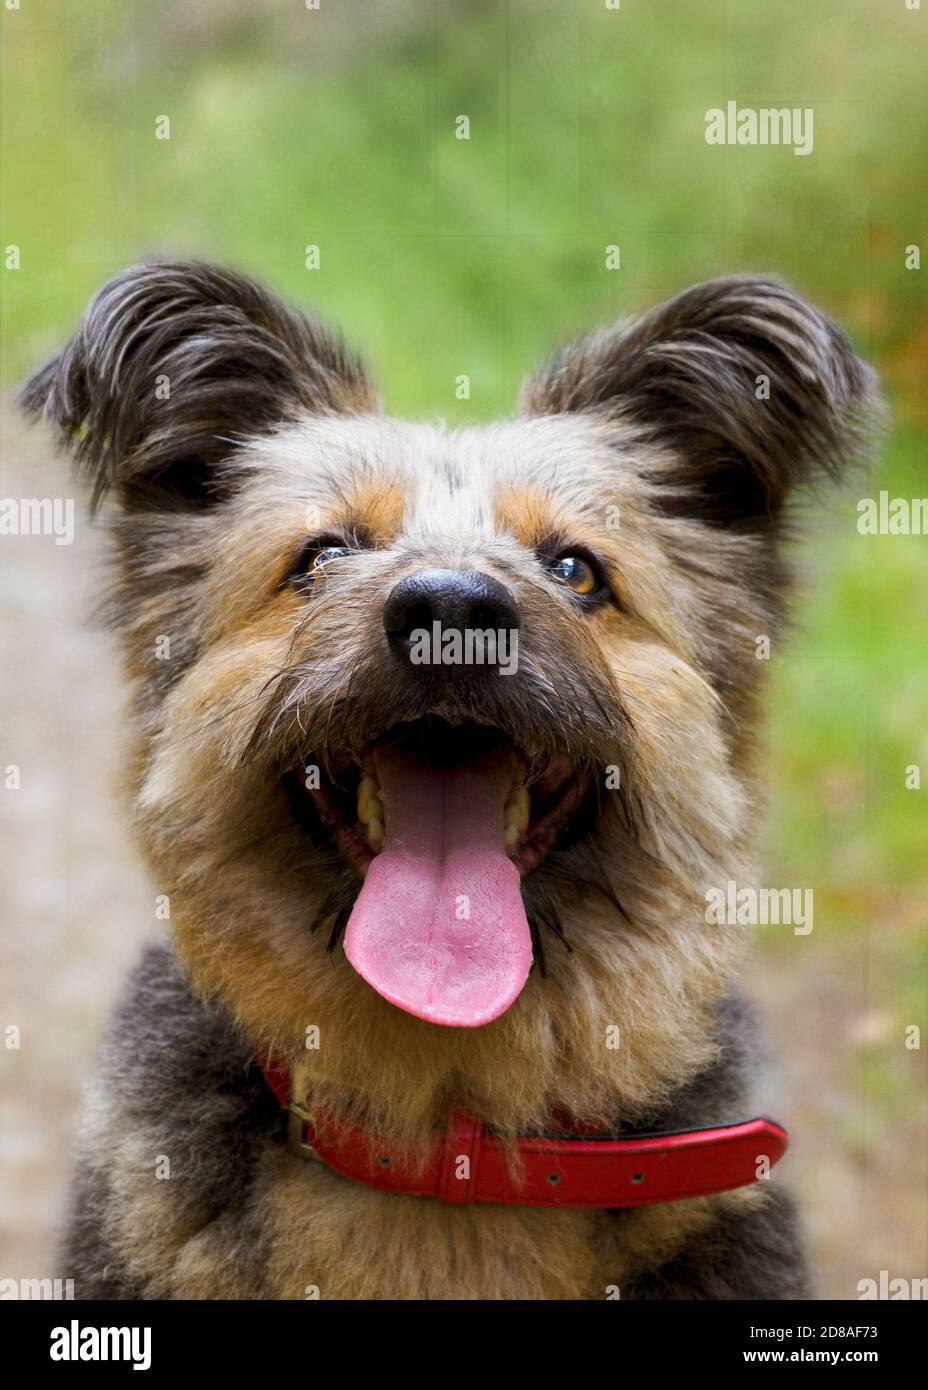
x=229, y=431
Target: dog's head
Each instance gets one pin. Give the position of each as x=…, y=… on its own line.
x=417, y=707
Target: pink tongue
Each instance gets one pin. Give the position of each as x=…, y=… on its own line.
x=439, y=927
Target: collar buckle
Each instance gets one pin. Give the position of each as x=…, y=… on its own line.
x=297, y=1142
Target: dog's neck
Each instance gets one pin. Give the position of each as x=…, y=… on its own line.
x=466, y=1162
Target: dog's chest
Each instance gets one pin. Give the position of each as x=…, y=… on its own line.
x=336, y=1239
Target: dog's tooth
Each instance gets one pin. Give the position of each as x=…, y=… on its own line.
x=369, y=803
x=374, y=831
x=518, y=808
x=512, y=835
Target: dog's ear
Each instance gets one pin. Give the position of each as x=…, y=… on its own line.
x=748, y=390
x=171, y=365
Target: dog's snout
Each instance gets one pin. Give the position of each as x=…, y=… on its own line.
x=460, y=600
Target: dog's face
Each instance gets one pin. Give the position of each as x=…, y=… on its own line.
x=371, y=820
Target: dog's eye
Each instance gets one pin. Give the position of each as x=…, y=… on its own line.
x=579, y=574
x=313, y=556
x=327, y=553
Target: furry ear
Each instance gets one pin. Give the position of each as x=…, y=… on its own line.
x=175, y=361
x=747, y=388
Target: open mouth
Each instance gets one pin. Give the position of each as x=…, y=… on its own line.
x=443, y=821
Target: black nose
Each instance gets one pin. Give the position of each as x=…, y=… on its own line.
x=463, y=600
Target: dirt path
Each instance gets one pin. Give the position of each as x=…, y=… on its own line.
x=76, y=904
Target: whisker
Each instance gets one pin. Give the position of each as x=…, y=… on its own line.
x=537, y=946
x=338, y=926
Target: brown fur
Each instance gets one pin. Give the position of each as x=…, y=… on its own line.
x=270, y=421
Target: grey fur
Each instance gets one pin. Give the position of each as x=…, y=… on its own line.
x=191, y=1091
x=752, y=1255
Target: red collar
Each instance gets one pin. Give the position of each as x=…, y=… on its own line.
x=467, y=1163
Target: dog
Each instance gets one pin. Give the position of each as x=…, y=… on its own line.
x=438, y=920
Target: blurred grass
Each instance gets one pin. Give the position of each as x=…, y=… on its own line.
x=440, y=257
x=443, y=256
